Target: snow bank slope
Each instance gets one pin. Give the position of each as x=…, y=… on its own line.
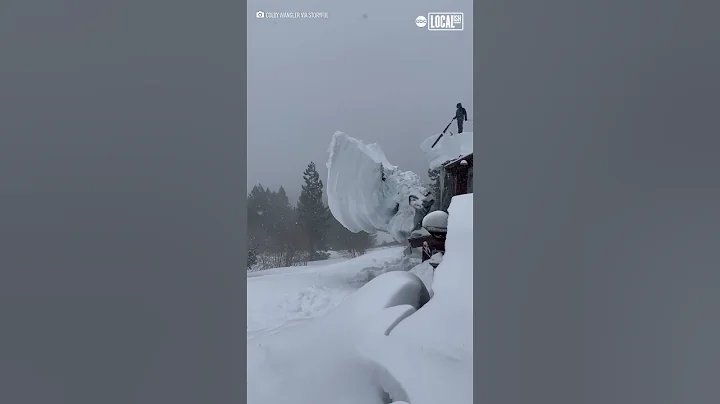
x=448, y=148
x=448, y=318
x=429, y=353
x=361, y=200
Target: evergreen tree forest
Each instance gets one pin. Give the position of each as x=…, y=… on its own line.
x=283, y=234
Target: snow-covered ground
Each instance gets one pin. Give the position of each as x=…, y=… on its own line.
x=346, y=332
x=281, y=297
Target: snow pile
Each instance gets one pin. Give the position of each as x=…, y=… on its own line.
x=448, y=318
x=367, y=193
x=430, y=352
x=450, y=147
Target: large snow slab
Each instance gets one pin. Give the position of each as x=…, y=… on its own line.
x=367, y=193
x=450, y=147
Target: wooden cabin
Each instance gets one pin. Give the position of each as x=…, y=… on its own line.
x=456, y=178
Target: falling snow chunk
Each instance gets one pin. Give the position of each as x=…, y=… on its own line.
x=367, y=193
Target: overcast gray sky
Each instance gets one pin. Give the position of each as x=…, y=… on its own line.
x=380, y=79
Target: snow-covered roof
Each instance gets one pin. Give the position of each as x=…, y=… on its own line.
x=449, y=147
x=467, y=157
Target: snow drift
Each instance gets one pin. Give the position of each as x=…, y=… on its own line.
x=429, y=353
x=367, y=193
x=448, y=148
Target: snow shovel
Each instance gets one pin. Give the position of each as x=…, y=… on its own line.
x=443, y=132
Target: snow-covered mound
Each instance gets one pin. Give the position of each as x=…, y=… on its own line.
x=367, y=193
x=448, y=148
x=429, y=353
x=435, y=221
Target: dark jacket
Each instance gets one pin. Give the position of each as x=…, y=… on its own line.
x=461, y=114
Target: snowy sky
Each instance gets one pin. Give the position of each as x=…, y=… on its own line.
x=380, y=79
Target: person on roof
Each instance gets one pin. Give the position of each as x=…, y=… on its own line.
x=460, y=116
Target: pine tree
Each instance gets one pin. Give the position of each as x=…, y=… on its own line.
x=257, y=209
x=357, y=244
x=285, y=211
x=274, y=238
x=312, y=214
x=349, y=244
x=280, y=215
x=335, y=235
x=251, y=258
x=286, y=241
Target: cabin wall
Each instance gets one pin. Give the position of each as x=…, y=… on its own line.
x=448, y=183
x=470, y=180
x=447, y=189
x=461, y=179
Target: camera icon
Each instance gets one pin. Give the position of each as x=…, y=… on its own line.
x=260, y=14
